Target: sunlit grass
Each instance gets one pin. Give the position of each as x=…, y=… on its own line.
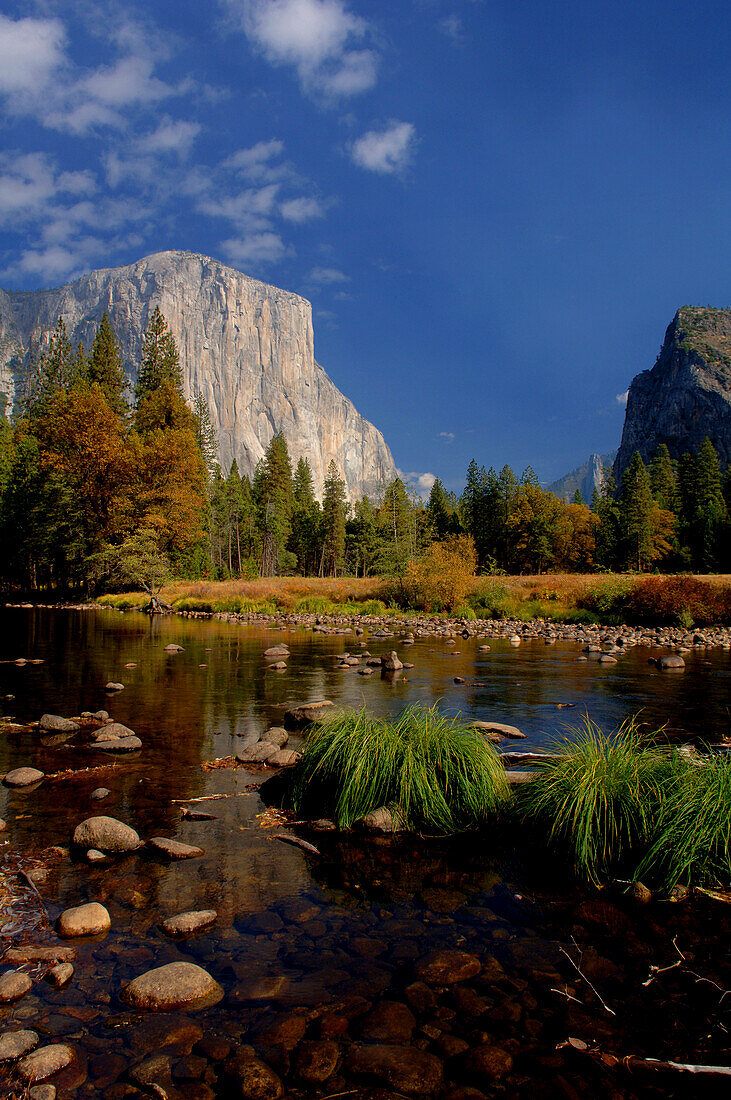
x=441, y=776
x=691, y=838
x=596, y=802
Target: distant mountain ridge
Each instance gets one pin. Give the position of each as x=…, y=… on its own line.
x=686, y=396
x=586, y=478
x=247, y=347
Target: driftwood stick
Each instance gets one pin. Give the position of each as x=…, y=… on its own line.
x=636, y=1062
x=584, y=978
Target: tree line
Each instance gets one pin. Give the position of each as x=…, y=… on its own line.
x=104, y=483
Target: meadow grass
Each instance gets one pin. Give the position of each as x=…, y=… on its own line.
x=596, y=802
x=441, y=776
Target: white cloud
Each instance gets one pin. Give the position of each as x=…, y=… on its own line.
x=622, y=397
x=301, y=210
x=386, y=150
x=315, y=37
x=39, y=80
x=248, y=210
x=31, y=50
x=448, y=437
x=255, y=249
x=255, y=162
x=421, y=483
x=171, y=137
x=328, y=276
x=451, y=25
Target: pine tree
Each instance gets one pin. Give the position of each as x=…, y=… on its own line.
x=205, y=433
x=710, y=506
x=397, y=527
x=160, y=359
x=439, y=512
x=663, y=479
x=636, y=509
x=273, y=496
x=306, y=522
x=334, y=516
x=105, y=368
x=54, y=373
x=364, y=540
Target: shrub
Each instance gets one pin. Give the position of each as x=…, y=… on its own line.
x=691, y=841
x=192, y=603
x=314, y=605
x=666, y=599
x=607, y=601
x=442, y=577
x=440, y=775
x=596, y=802
x=128, y=601
x=491, y=600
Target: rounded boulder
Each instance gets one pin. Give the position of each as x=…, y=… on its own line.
x=91, y=919
x=175, y=985
x=106, y=834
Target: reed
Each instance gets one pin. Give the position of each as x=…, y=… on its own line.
x=439, y=775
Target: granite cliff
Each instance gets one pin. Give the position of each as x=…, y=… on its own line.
x=687, y=394
x=586, y=478
x=247, y=347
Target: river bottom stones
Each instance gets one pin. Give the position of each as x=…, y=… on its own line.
x=45, y=1061
x=184, y=924
x=175, y=985
x=14, y=1044
x=23, y=777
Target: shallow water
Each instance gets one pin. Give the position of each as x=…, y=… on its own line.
x=301, y=937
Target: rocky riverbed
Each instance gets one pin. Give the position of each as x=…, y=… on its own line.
x=165, y=932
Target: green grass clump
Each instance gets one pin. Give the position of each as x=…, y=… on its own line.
x=691, y=841
x=597, y=803
x=193, y=603
x=127, y=601
x=441, y=776
x=315, y=605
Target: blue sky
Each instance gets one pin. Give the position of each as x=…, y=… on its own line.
x=494, y=207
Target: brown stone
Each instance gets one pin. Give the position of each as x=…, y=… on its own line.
x=389, y=1022
x=447, y=967
x=489, y=1061
x=316, y=1060
x=405, y=1069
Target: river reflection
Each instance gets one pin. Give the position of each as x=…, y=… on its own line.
x=303, y=935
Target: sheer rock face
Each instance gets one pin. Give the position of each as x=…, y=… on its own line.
x=687, y=394
x=245, y=346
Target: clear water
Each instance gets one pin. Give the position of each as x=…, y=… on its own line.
x=301, y=935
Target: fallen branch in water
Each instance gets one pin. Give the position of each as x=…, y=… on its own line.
x=584, y=978
x=636, y=1062
x=209, y=797
x=298, y=843
x=69, y=772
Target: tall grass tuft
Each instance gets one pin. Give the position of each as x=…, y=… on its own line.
x=596, y=803
x=441, y=776
x=691, y=841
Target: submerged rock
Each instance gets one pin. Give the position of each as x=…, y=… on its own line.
x=304, y=713
x=447, y=967
x=113, y=686
x=183, y=924
x=383, y=820
x=176, y=985
x=60, y=975
x=106, y=834
x=173, y=849
x=45, y=1061
x=404, y=1069
x=14, y=1044
x=173, y=648
x=500, y=728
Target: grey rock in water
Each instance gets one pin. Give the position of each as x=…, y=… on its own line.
x=23, y=777
x=686, y=396
x=106, y=834
x=56, y=724
x=391, y=663
x=246, y=347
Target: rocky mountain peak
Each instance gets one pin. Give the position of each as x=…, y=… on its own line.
x=686, y=396
x=247, y=347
